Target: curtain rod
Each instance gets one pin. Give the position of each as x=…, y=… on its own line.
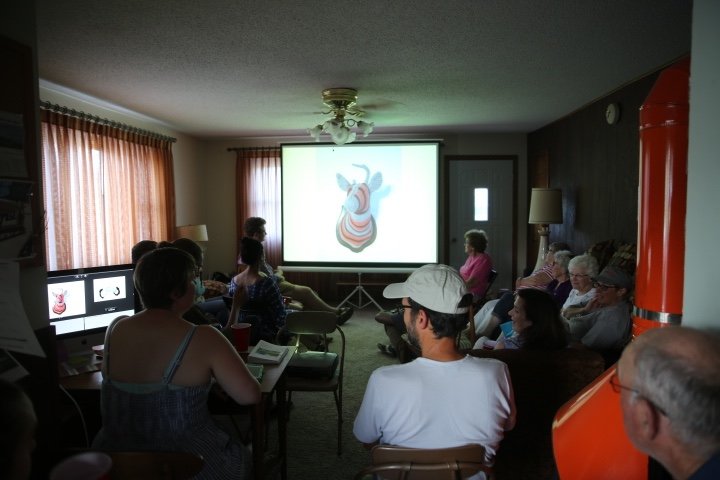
x=248, y=149
x=105, y=121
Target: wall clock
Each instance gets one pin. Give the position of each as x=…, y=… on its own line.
x=612, y=113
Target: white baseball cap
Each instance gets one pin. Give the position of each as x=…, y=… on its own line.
x=434, y=286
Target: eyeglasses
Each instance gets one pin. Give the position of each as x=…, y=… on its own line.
x=602, y=287
x=575, y=275
x=401, y=308
x=617, y=387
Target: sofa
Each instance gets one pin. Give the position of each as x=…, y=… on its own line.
x=542, y=382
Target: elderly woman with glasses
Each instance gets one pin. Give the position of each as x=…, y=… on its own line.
x=607, y=325
x=582, y=270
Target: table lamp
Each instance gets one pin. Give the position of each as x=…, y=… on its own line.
x=197, y=233
x=545, y=209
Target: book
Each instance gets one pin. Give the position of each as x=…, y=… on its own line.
x=256, y=370
x=268, y=353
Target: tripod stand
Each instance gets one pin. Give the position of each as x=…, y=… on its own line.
x=360, y=290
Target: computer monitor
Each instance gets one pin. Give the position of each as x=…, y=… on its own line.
x=86, y=300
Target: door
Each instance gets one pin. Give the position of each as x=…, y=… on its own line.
x=497, y=175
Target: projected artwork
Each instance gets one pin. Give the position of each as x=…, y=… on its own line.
x=356, y=228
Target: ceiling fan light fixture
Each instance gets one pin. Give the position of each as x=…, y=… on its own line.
x=342, y=104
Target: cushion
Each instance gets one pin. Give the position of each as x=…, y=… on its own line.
x=313, y=364
x=213, y=288
x=602, y=251
x=624, y=257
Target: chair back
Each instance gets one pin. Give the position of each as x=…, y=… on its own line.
x=392, y=462
x=155, y=465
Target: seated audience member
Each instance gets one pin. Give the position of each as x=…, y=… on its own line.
x=213, y=310
x=158, y=370
x=536, y=323
x=560, y=286
x=669, y=385
x=540, y=278
x=253, y=291
x=254, y=227
x=17, y=432
x=582, y=269
x=604, y=323
x=141, y=248
x=477, y=267
x=495, y=312
x=138, y=250
x=430, y=402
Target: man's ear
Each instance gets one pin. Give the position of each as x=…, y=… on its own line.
x=647, y=418
x=422, y=320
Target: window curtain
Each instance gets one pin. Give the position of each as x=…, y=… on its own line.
x=105, y=189
x=258, y=195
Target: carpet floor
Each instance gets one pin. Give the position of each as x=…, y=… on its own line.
x=312, y=424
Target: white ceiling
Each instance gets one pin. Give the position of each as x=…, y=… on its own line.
x=239, y=68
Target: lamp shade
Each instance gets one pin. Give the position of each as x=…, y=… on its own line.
x=545, y=206
x=197, y=233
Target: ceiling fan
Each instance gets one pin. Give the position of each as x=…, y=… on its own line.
x=342, y=104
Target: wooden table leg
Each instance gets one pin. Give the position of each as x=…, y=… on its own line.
x=258, y=438
x=282, y=426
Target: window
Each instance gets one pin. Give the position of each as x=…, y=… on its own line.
x=481, y=205
x=105, y=189
x=258, y=190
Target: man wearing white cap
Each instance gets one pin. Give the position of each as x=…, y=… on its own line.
x=443, y=398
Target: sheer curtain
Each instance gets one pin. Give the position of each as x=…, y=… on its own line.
x=105, y=189
x=258, y=194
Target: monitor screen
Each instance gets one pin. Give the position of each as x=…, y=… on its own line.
x=362, y=204
x=86, y=300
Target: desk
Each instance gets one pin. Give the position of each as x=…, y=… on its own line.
x=273, y=380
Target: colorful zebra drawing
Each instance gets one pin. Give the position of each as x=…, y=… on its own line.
x=356, y=227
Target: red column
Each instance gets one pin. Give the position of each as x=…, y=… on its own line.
x=589, y=439
x=662, y=198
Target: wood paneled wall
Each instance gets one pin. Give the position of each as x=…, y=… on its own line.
x=597, y=167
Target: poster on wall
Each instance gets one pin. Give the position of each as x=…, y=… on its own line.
x=16, y=220
x=12, y=155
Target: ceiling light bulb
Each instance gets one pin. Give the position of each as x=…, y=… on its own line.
x=365, y=127
x=315, y=132
x=341, y=135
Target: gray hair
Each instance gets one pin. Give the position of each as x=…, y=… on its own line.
x=586, y=262
x=685, y=386
x=562, y=258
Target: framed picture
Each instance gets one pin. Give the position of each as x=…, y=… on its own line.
x=21, y=219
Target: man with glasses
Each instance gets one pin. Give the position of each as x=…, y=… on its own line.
x=607, y=325
x=669, y=385
x=443, y=398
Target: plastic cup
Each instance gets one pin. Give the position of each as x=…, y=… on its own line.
x=83, y=466
x=241, y=336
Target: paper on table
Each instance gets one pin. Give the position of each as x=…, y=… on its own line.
x=16, y=334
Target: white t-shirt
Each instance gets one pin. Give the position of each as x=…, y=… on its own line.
x=577, y=299
x=431, y=404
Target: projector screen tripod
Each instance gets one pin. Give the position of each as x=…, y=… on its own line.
x=360, y=290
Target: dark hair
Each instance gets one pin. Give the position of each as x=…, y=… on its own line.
x=15, y=420
x=250, y=251
x=162, y=272
x=445, y=324
x=252, y=226
x=477, y=239
x=547, y=330
x=141, y=248
x=164, y=244
x=189, y=246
